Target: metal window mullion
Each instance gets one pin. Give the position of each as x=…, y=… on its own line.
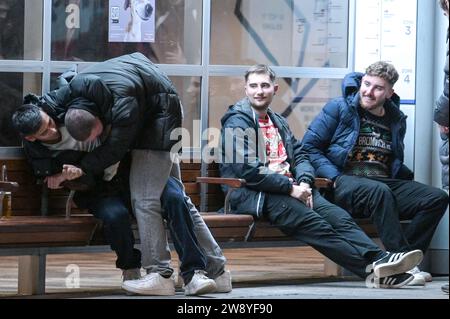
x=46, y=45
x=282, y=71
x=182, y=69
x=351, y=36
x=25, y=66
x=204, y=98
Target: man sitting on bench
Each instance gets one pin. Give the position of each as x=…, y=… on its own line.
x=258, y=146
x=358, y=142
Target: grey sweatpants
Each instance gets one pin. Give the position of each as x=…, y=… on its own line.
x=150, y=171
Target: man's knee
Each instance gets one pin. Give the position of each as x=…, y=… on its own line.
x=441, y=197
x=379, y=189
x=116, y=215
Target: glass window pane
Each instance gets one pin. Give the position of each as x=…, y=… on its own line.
x=189, y=89
x=21, y=29
x=298, y=100
x=13, y=87
x=280, y=32
x=80, y=32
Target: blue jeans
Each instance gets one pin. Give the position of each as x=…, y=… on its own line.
x=181, y=226
x=117, y=230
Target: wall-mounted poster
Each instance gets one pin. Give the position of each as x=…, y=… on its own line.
x=131, y=21
x=389, y=34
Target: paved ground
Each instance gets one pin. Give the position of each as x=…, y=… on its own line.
x=304, y=289
x=314, y=290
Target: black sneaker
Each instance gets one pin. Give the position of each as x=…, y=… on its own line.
x=396, y=263
x=395, y=281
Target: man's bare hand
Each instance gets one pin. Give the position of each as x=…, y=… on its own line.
x=71, y=172
x=302, y=192
x=443, y=129
x=54, y=181
x=309, y=202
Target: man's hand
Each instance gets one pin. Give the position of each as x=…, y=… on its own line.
x=443, y=129
x=71, y=172
x=302, y=192
x=54, y=181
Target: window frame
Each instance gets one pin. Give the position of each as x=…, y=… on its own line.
x=205, y=70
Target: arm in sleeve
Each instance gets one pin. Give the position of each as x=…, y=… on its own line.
x=317, y=139
x=247, y=164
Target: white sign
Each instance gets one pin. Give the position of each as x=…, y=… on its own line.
x=386, y=31
x=131, y=21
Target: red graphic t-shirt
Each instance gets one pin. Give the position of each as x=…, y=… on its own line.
x=275, y=150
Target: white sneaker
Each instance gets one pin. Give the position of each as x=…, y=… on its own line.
x=420, y=277
x=151, y=284
x=199, y=284
x=425, y=275
x=224, y=282
x=131, y=274
x=418, y=280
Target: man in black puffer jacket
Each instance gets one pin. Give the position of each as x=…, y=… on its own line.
x=441, y=117
x=441, y=112
x=134, y=106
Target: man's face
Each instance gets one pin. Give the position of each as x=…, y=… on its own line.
x=374, y=92
x=48, y=131
x=260, y=90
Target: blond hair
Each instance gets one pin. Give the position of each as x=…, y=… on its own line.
x=383, y=70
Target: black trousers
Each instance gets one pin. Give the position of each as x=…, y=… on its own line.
x=387, y=201
x=327, y=228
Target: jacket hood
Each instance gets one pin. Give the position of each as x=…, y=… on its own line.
x=243, y=108
x=351, y=84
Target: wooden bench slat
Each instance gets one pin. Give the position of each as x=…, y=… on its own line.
x=35, y=230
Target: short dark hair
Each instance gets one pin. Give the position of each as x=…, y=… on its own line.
x=383, y=70
x=79, y=123
x=444, y=5
x=27, y=119
x=260, y=69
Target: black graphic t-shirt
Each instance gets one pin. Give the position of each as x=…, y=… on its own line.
x=372, y=154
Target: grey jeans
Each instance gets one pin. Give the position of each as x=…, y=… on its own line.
x=149, y=173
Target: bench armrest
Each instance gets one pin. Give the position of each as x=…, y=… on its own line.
x=9, y=186
x=319, y=182
x=231, y=182
x=325, y=183
x=234, y=183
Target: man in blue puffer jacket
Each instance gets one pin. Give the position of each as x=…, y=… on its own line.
x=357, y=141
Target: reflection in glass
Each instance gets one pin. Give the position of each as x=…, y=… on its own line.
x=189, y=90
x=13, y=87
x=20, y=29
x=80, y=32
x=300, y=33
x=298, y=100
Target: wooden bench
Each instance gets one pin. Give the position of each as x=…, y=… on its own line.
x=40, y=225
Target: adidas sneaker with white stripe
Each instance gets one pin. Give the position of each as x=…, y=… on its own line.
x=395, y=281
x=396, y=263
